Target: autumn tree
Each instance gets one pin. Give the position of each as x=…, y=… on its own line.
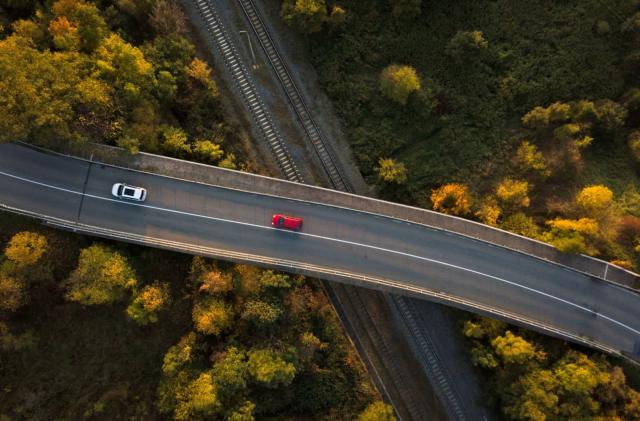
x=489, y=212
x=179, y=355
x=304, y=16
x=537, y=118
x=269, y=368
x=90, y=26
x=198, y=399
x=453, y=199
x=207, y=151
x=513, y=194
x=391, y=171
x=212, y=316
x=610, y=115
x=466, y=44
x=242, y=412
x=260, y=312
x=148, y=302
x=65, y=34
x=634, y=144
x=272, y=280
x=12, y=294
x=175, y=142
x=398, y=82
x=102, y=276
x=513, y=349
x=377, y=411
x=166, y=18
x=529, y=158
x=337, y=17
x=26, y=248
x=594, y=199
x=520, y=224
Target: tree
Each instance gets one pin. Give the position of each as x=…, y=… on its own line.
x=489, y=212
x=215, y=282
x=270, y=369
x=577, y=374
x=26, y=248
x=586, y=226
x=229, y=162
x=125, y=66
x=391, y=171
x=129, y=143
x=175, y=142
x=398, y=82
x=337, y=17
x=377, y=411
x=243, y=412
x=179, y=354
x=230, y=372
x=465, y=44
x=86, y=17
x=200, y=72
x=533, y=397
x=594, y=199
x=632, y=24
x=559, y=112
x=212, y=316
x=529, y=158
x=261, y=312
x=304, y=16
x=513, y=349
x=453, y=199
x=198, y=399
x=102, y=276
x=12, y=295
x=513, y=194
x=166, y=18
x=610, y=115
x=146, y=304
x=537, y=118
x=65, y=34
x=520, y=224
x=207, y=151
x=405, y=8
x=271, y=279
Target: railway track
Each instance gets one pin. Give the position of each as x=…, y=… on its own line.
x=321, y=147
x=246, y=86
x=244, y=83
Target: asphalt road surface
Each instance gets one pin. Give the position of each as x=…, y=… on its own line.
x=341, y=239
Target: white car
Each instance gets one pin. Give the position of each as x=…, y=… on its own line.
x=125, y=191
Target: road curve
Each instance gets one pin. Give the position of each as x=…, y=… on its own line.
x=411, y=255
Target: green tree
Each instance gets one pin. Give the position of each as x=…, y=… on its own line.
x=304, y=16
x=398, y=82
x=26, y=248
x=243, y=412
x=230, y=372
x=270, y=368
x=148, y=302
x=102, y=276
x=391, y=171
x=466, y=44
x=179, y=355
x=212, y=316
x=377, y=411
x=271, y=279
x=261, y=313
x=521, y=224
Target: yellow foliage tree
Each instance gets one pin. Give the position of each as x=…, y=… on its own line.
x=583, y=225
x=595, y=198
x=199, y=399
x=146, y=304
x=529, y=158
x=452, y=199
x=64, y=33
x=216, y=282
x=513, y=194
x=489, y=212
x=26, y=248
x=398, y=82
x=11, y=293
x=514, y=349
x=212, y=316
x=391, y=171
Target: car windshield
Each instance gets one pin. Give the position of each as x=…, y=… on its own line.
x=281, y=221
x=129, y=192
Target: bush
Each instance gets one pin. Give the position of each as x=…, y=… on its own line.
x=453, y=199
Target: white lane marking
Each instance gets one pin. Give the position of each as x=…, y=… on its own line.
x=337, y=240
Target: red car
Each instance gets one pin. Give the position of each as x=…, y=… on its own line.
x=288, y=222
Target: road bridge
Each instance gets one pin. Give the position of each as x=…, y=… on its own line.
x=337, y=243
